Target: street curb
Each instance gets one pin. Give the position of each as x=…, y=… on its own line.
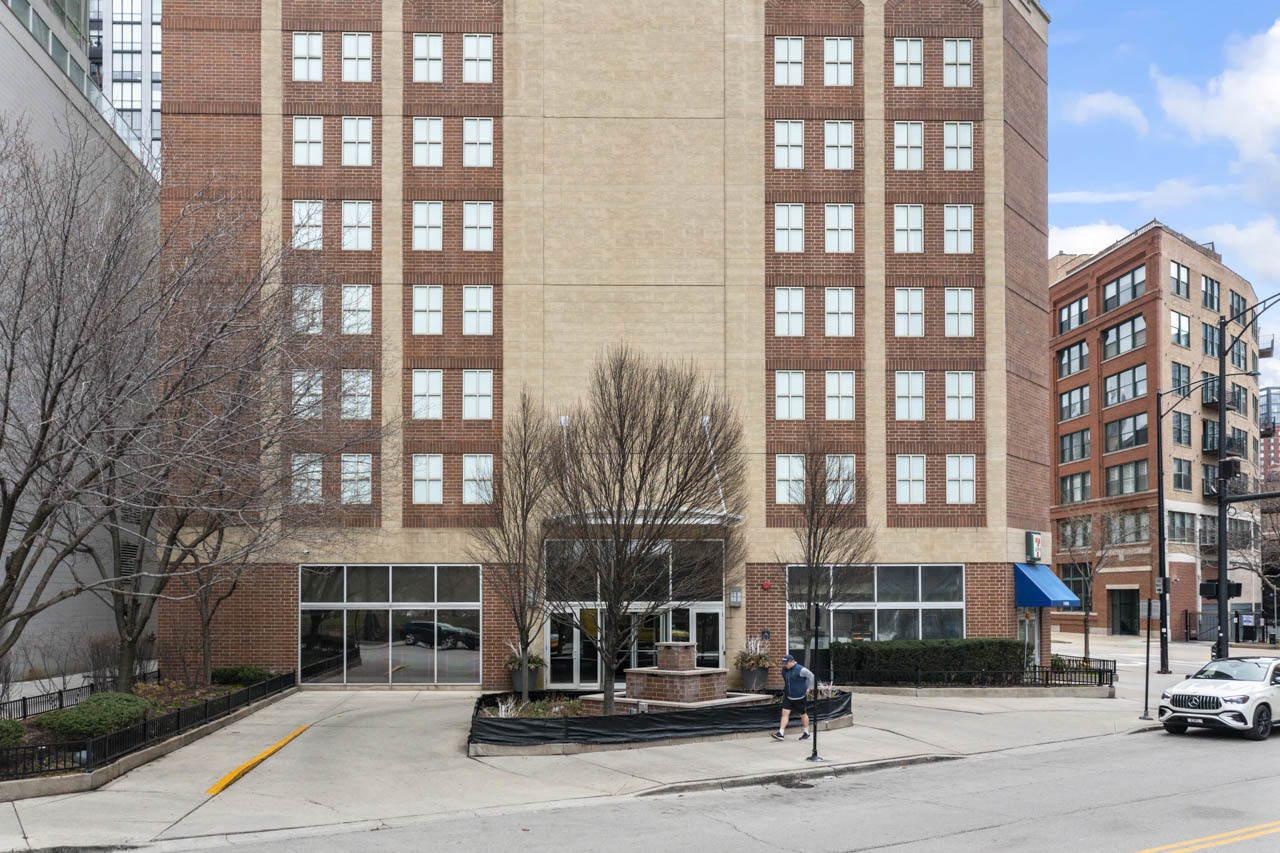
x=1140, y=729
x=794, y=775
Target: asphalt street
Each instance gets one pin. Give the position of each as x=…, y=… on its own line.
x=1124, y=793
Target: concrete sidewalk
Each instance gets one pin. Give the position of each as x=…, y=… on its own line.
x=375, y=758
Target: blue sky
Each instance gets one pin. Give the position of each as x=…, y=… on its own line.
x=1168, y=110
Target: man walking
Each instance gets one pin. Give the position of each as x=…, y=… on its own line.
x=797, y=683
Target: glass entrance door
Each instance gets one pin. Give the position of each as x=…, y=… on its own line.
x=1029, y=634
x=707, y=631
x=573, y=658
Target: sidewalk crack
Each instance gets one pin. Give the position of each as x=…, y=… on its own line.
x=18, y=818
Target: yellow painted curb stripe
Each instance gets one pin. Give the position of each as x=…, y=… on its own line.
x=231, y=777
x=1226, y=838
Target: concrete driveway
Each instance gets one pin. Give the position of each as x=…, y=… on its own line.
x=373, y=759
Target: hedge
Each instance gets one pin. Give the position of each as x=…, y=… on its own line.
x=10, y=733
x=97, y=715
x=991, y=654
x=239, y=675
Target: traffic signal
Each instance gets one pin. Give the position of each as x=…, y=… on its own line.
x=1229, y=469
x=1209, y=590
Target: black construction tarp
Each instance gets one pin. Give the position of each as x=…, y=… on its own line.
x=639, y=728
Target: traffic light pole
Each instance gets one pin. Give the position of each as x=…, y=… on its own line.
x=1222, y=649
x=1162, y=572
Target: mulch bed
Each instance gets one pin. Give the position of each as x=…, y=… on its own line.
x=169, y=696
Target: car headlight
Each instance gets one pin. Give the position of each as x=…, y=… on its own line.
x=1166, y=695
x=1236, y=700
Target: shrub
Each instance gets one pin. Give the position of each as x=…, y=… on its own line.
x=993, y=654
x=10, y=733
x=99, y=714
x=239, y=675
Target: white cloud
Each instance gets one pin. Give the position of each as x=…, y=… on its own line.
x=1168, y=194
x=1242, y=104
x=1107, y=105
x=1084, y=239
x=1254, y=251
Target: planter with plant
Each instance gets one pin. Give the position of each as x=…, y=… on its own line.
x=754, y=663
x=524, y=674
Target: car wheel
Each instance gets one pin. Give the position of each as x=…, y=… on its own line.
x=1261, y=724
x=1176, y=728
x=408, y=639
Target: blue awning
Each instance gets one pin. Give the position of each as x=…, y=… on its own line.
x=1035, y=585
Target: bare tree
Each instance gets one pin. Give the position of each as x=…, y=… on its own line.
x=510, y=542
x=646, y=488
x=833, y=545
x=1093, y=542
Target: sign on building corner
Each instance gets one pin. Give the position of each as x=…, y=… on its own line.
x=1034, y=542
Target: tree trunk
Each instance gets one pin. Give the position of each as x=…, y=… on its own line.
x=524, y=665
x=206, y=653
x=1088, y=605
x=126, y=660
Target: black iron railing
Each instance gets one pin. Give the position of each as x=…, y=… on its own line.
x=1069, y=662
x=1032, y=676
x=29, y=706
x=91, y=753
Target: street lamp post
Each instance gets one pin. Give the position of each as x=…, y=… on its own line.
x=1221, y=649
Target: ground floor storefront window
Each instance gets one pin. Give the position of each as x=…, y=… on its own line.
x=389, y=624
x=881, y=602
x=573, y=659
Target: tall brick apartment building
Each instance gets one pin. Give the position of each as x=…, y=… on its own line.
x=837, y=207
x=1137, y=317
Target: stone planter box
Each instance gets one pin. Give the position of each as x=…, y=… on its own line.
x=524, y=676
x=754, y=679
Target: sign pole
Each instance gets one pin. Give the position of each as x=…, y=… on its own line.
x=1146, y=683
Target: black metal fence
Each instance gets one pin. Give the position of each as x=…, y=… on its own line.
x=1070, y=663
x=91, y=753
x=29, y=706
x=1032, y=676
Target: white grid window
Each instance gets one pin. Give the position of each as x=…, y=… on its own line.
x=307, y=478
x=908, y=228
x=788, y=145
x=788, y=478
x=842, y=474
x=308, y=227
x=958, y=229
x=837, y=62
x=307, y=58
x=960, y=479
x=958, y=307
x=839, y=228
x=838, y=136
x=357, y=478
x=428, y=478
x=477, y=478
x=957, y=62
x=910, y=479
x=357, y=309
x=357, y=141
x=477, y=226
x=308, y=141
x=909, y=395
x=788, y=227
x=477, y=58
x=428, y=395
x=908, y=312
x=428, y=142
x=428, y=226
x=477, y=310
x=477, y=395
x=428, y=309
x=839, y=312
x=960, y=395
x=477, y=142
x=428, y=58
x=957, y=146
x=908, y=145
x=908, y=62
x=308, y=309
x=308, y=394
x=788, y=312
x=357, y=226
x=788, y=395
x=788, y=62
x=357, y=395
x=357, y=57
x=839, y=395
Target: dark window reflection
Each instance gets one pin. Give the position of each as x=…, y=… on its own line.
x=367, y=583
x=898, y=625
x=413, y=646
x=368, y=646
x=898, y=583
x=942, y=583
x=458, y=646
x=320, y=644
x=458, y=583
x=941, y=624
x=321, y=583
x=413, y=583
x=697, y=570
x=852, y=583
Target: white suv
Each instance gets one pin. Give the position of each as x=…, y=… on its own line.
x=1240, y=694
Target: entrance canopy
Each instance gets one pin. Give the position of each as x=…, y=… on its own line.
x=1035, y=585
